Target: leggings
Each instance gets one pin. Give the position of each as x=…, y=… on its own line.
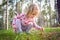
x=22, y=28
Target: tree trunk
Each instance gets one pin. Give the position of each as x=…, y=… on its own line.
x=4, y=18
x=58, y=6
x=7, y=14
x=50, y=13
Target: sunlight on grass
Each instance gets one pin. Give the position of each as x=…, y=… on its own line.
x=48, y=34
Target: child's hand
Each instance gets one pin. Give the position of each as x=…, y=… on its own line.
x=42, y=29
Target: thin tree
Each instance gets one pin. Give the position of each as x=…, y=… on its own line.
x=58, y=8
x=7, y=12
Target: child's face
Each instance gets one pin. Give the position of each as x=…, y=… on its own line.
x=32, y=15
x=34, y=12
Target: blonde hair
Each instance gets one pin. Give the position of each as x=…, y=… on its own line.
x=31, y=9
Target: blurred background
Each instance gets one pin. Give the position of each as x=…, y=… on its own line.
x=49, y=13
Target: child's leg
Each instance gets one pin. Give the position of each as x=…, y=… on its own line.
x=28, y=28
x=18, y=24
x=23, y=28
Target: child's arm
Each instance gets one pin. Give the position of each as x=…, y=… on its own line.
x=37, y=27
x=17, y=22
x=14, y=21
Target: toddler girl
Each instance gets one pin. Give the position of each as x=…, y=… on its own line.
x=24, y=22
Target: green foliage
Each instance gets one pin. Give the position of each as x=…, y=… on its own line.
x=48, y=34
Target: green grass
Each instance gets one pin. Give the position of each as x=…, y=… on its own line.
x=48, y=34
x=52, y=29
